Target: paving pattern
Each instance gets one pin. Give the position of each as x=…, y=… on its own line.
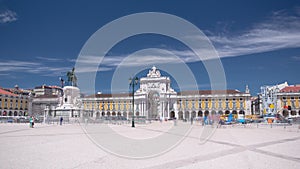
x=67, y=146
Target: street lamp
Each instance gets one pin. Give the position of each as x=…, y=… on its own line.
x=133, y=82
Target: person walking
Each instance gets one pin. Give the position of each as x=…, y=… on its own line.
x=205, y=120
x=31, y=122
x=61, y=120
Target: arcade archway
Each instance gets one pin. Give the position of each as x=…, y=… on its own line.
x=206, y=113
x=172, y=114
x=97, y=115
x=193, y=114
x=187, y=115
x=285, y=113
x=200, y=113
x=180, y=115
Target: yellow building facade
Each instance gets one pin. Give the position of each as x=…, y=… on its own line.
x=289, y=102
x=155, y=98
x=12, y=104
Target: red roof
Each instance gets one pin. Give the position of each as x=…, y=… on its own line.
x=4, y=92
x=208, y=92
x=109, y=95
x=291, y=89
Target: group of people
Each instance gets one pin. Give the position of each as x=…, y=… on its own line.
x=31, y=121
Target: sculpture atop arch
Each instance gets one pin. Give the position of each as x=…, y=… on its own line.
x=154, y=72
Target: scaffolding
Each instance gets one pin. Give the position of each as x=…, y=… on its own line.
x=269, y=99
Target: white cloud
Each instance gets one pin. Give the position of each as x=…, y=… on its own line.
x=17, y=63
x=279, y=31
x=7, y=66
x=13, y=65
x=49, y=59
x=156, y=56
x=7, y=16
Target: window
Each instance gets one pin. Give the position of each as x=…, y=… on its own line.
x=220, y=103
x=206, y=104
x=213, y=104
x=241, y=105
x=227, y=105
x=234, y=105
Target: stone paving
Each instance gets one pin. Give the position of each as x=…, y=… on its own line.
x=68, y=146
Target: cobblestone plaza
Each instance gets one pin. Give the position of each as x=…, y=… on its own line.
x=67, y=146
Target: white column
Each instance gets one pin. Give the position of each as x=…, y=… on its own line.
x=140, y=108
x=143, y=108
x=175, y=109
x=168, y=107
x=162, y=109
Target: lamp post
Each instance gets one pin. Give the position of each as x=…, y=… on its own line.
x=133, y=82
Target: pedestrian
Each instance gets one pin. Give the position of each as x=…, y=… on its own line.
x=30, y=122
x=61, y=120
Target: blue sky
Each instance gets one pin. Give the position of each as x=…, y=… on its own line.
x=258, y=41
